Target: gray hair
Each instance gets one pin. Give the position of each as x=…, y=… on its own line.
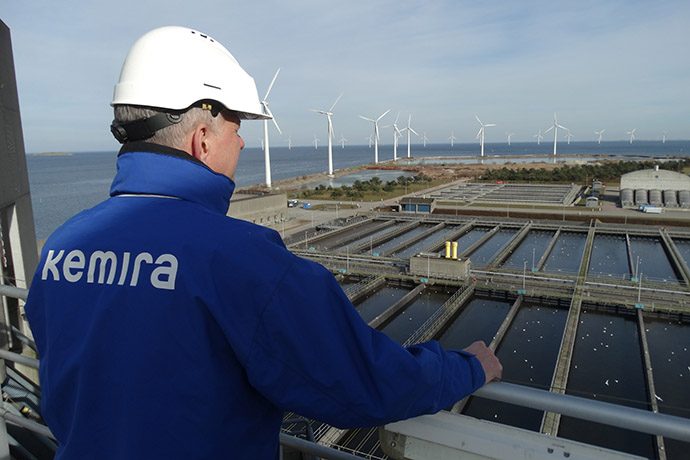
x=174, y=135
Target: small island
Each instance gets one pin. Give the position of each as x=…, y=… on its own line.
x=52, y=154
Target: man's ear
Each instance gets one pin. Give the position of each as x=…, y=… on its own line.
x=200, y=143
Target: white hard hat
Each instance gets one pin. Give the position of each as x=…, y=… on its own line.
x=174, y=68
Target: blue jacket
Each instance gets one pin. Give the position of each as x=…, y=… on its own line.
x=167, y=330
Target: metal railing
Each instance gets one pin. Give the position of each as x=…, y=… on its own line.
x=611, y=414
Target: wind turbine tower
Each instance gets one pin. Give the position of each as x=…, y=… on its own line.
x=328, y=114
x=569, y=135
x=599, y=133
x=316, y=142
x=509, y=136
x=264, y=143
x=663, y=137
x=452, y=138
x=409, y=130
x=632, y=134
x=376, y=133
x=555, y=132
x=539, y=137
x=396, y=135
x=342, y=141
x=480, y=134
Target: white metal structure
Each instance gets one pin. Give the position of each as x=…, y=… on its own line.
x=599, y=133
x=396, y=135
x=480, y=134
x=409, y=130
x=539, y=137
x=452, y=138
x=376, y=133
x=264, y=145
x=328, y=114
x=371, y=136
x=509, y=136
x=342, y=141
x=315, y=142
x=663, y=137
x=555, y=127
x=569, y=135
x=424, y=138
x=632, y=134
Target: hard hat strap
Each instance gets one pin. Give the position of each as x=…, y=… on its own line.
x=143, y=128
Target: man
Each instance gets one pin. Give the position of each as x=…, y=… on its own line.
x=168, y=330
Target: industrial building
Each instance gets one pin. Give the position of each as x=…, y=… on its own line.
x=262, y=209
x=655, y=187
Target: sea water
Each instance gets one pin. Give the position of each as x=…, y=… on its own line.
x=63, y=185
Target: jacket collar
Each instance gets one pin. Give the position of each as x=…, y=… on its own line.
x=145, y=168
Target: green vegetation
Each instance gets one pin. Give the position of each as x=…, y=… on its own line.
x=610, y=171
x=370, y=190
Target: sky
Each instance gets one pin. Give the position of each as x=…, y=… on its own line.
x=598, y=64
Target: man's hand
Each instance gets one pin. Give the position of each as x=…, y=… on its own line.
x=490, y=363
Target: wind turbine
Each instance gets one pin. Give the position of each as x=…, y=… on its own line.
x=480, y=134
x=509, y=136
x=376, y=133
x=452, y=138
x=328, y=114
x=396, y=134
x=342, y=141
x=289, y=142
x=409, y=129
x=370, y=139
x=424, y=138
x=264, y=143
x=632, y=134
x=555, y=127
x=539, y=137
x=663, y=137
x=599, y=133
x=316, y=142
x=569, y=135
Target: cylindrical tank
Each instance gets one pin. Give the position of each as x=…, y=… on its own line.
x=670, y=200
x=655, y=198
x=447, y=249
x=455, y=249
x=641, y=197
x=627, y=197
x=684, y=198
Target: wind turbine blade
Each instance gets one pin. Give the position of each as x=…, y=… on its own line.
x=413, y=131
x=491, y=124
x=548, y=130
x=276, y=123
x=336, y=101
x=367, y=119
x=479, y=132
x=383, y=114
x=271, y=85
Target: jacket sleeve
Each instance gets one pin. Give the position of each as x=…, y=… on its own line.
x=312, y=353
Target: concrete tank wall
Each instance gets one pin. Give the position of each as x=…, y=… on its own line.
x=655, y=198
x=627, y=197
x=670, y=200
x=684, y=198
